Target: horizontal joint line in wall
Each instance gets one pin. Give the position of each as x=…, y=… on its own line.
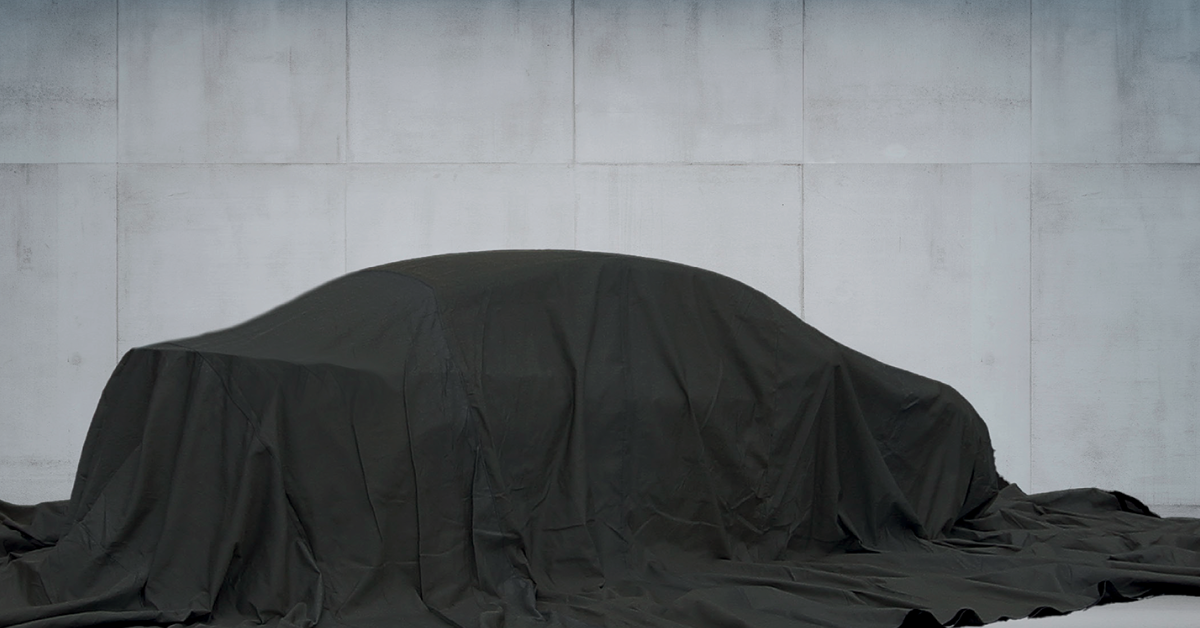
x=593, y=163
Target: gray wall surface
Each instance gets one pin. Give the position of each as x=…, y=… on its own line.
x=1003, y=195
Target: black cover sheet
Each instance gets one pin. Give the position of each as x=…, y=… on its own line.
x=554, y=438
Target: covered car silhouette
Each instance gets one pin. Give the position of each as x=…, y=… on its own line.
x=554, y=438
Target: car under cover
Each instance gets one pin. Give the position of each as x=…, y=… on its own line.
x=554, y=438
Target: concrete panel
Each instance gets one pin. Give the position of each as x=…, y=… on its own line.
x=26, y=480
x=702, y=81
x=1116, y=81
x=941, y=81
x=58, y=81
x=229, y=81
x=1116, y=330
x=459, y=81
x=1176, y=510
x=927, y=268
x=204, y=247
x=740, y=221
x=396, y=212
x=58, y=312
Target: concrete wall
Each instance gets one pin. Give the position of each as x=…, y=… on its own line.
x=1004, y=195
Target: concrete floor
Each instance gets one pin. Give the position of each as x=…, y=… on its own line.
x=1168, y=611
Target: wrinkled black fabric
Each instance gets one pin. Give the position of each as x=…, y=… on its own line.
x=554, y=438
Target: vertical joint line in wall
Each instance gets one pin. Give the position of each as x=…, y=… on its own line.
x=573, y=171
x=1029, y=297
x=345, y=220
x=574, y=105
x=117, y=86
x=1030, y=245
x=803, y=298
x=117, y=194
x=574, y=154
x=1029, y=304
x=117, y=262
x=803, y=130
x=346, y=80
x=346, y=154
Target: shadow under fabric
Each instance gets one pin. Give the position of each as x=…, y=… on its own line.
x=554, y=438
